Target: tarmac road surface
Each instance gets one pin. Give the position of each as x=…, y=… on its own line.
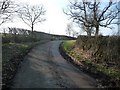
x=44, y=67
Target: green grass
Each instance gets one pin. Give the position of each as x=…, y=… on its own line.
x=67, y=45
x=10, y=50
x=112, y=72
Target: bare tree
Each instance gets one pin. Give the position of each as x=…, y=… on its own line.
x=92, y=14
x=69, y=29
x=88, y=30
x=74, y=33
x=7, y=9
x=32, y=15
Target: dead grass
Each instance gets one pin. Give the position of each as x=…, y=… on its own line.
x=99, y=55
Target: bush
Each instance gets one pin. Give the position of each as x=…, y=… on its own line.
x=105, y=49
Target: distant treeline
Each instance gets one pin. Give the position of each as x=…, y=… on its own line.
x=15, y=35
x=19, y=35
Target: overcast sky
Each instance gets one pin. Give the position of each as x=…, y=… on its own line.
x=56, y=20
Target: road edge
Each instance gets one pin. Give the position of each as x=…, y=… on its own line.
x=74, y=62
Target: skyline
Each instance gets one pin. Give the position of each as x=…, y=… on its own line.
x=56, y=21
x=53, y=14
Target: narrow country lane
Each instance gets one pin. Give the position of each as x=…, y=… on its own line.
x=44, y=67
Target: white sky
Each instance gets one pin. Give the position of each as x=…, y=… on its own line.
x=56, y=20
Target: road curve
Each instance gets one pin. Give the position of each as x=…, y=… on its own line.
x=44, y=67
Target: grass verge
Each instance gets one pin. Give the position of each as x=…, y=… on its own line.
x=105, y=76
x=67, y=45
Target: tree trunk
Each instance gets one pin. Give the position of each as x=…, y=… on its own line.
x=89, y=33
x=97, y=30
x=32, y=31
x=4, y=33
